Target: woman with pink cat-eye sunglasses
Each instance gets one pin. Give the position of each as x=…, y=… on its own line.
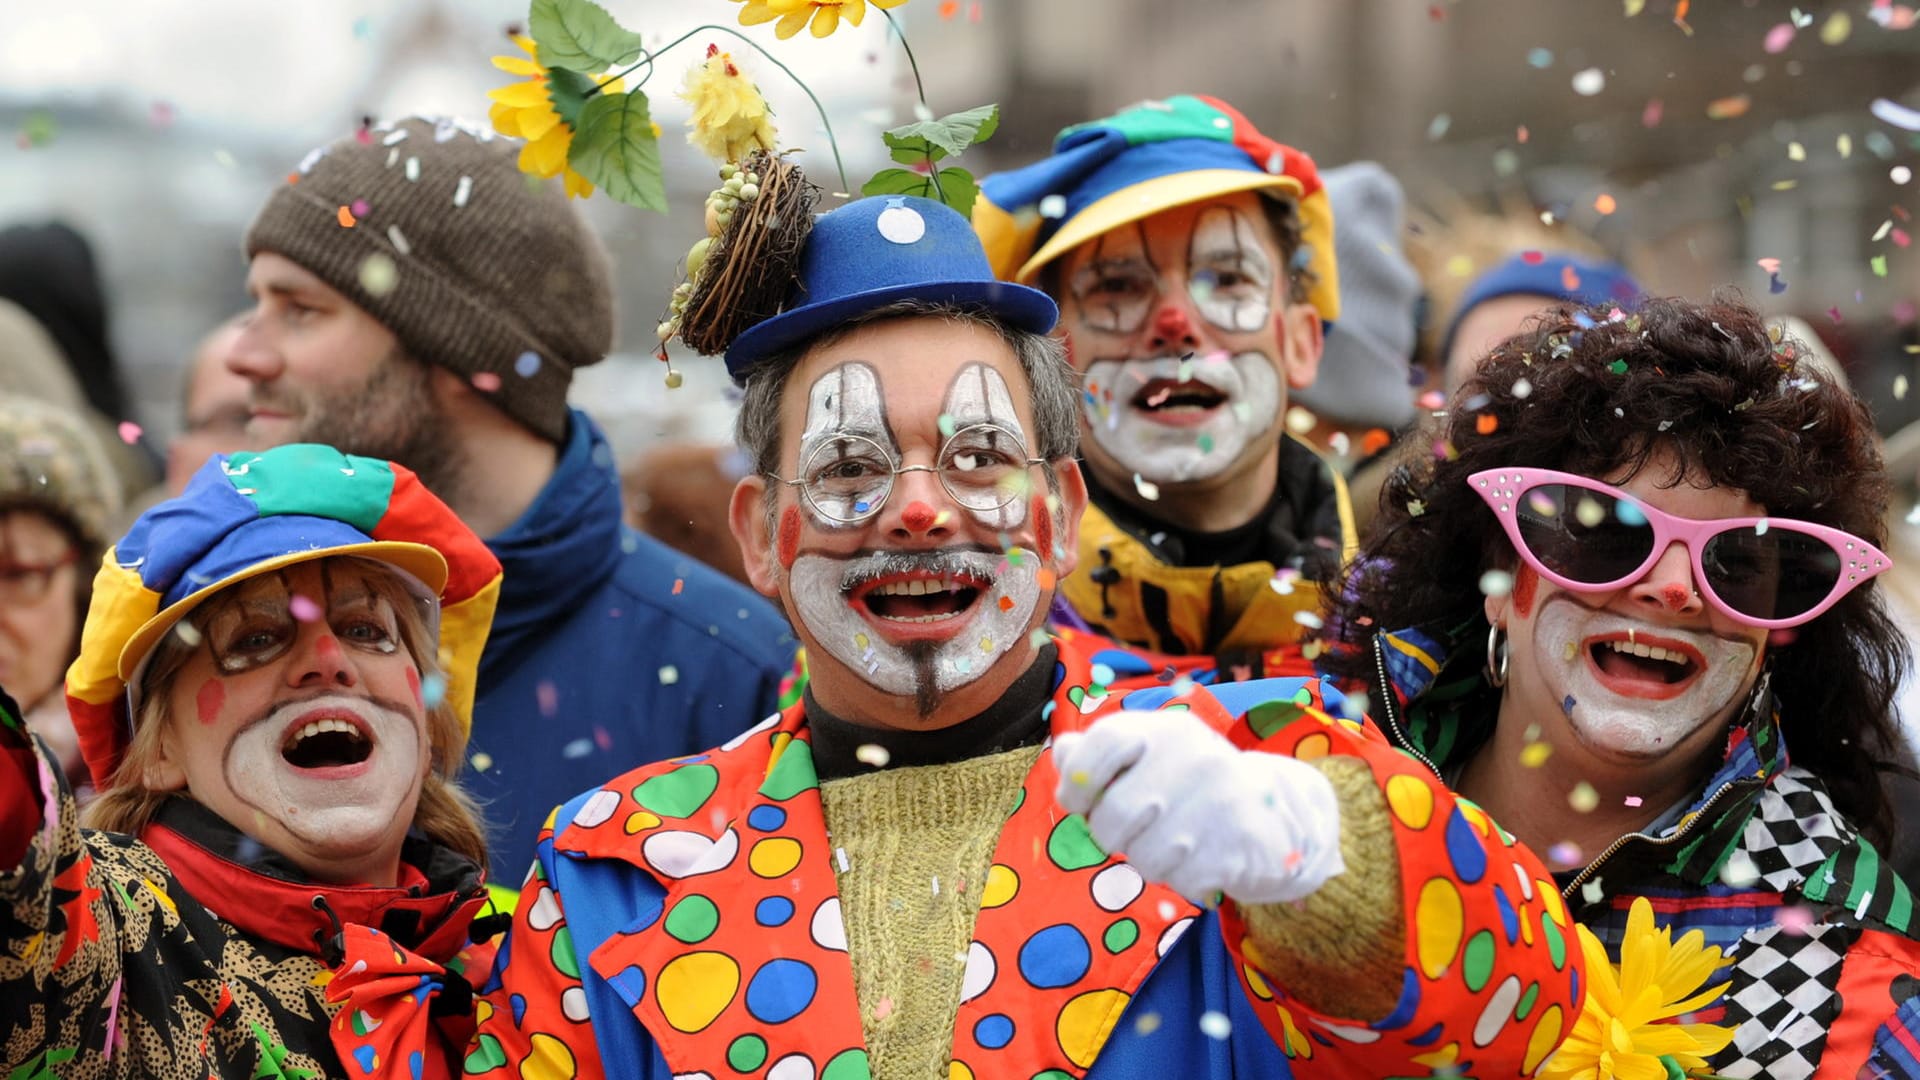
x=1628, y=606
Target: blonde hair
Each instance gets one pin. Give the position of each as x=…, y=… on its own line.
x=445, y=812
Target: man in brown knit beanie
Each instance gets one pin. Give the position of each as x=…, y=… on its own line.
x=419, y=299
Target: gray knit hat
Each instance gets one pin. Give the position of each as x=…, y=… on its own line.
x=431, y=227
x=50, y=461
x=1363, y=377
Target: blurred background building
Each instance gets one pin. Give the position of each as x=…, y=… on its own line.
x=1690, y=139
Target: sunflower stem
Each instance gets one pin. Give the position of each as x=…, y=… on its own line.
x=919, y=88
x=647, y=62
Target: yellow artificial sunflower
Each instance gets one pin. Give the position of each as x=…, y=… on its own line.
x=1625, y=1028
x=825, y=15
x=524, y=110
x=730, y=119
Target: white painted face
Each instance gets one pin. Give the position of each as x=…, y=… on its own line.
x=1611, y=702
x=1180, y=326
x=918, y=623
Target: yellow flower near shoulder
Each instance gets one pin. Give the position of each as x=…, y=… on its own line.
x=524, y=110
x=825, y=15
x=730, y=119
x=1626, y=1027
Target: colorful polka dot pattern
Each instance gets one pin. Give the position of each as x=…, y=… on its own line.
x=742, y=970
x=1491, y=983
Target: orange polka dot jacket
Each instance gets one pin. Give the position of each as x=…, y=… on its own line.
x=1825, y=979
x=684, y=919
x=191, y=952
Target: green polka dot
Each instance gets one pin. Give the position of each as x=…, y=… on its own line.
x=1121, y=935
x=792, y=774
x=486, y=1054
x=563, y=959
x=1556, y=944
x=747, y=1053
x=1071, y=846
x=1019, y=800
x=1477, y=965
x=848, y=1065
x=1053, y=1074
x=1527, y=1001
x=693, y=919
x=1270, y=716
x=680, y=792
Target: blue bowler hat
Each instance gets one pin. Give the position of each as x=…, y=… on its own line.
x=875, y=251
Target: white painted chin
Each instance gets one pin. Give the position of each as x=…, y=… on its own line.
x=351, y=810
x=1633, y=727
x=983, y=634
x=1184, y=446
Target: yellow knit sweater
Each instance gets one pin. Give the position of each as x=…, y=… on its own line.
x=918, y=842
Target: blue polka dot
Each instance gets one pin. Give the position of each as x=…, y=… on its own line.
x=415, y=1065
x=1508, y=917
x=780, y=991
x=993, y=1032
x=1464, y=848
x=518, y=1003
x=773, y=911
x=1409, y=1003
x=366, y=1056
x=766, y=818
x=629, y=982
x=1055, y=957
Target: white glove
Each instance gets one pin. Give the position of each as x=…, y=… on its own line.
x=1190, y=810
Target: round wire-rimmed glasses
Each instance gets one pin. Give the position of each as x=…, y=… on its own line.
x=1589, y=536
x=847, y=478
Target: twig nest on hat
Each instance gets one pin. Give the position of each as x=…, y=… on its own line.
x=744, y=269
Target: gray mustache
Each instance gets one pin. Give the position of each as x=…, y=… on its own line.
x=974, y=565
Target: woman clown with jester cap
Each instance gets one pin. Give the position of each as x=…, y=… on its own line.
x=975, y=848
x=280, y=873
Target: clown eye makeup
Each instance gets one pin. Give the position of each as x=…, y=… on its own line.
x=1115, y=294
x=1230, y=276
x=248, y=630
x=361, y=617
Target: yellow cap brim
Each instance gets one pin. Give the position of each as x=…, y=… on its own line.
x=425, y=564
x=1145, y=199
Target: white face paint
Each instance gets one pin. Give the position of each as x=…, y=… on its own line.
x=846, y=428
x=340, y=808
x=1128, y=417
x=980, y=396
x=1564, y=632
x=928, y=654
x=823, y=586
x=1229, y=274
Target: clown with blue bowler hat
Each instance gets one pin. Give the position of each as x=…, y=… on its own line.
x=975, y=847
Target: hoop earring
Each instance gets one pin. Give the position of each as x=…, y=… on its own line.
x=1497, y=656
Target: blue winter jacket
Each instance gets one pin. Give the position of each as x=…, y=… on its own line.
x=610, y=650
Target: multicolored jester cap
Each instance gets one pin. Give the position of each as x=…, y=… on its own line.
x=248, y=514
x=1150, y=157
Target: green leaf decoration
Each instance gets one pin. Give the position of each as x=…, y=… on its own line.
x=581, y=36
x=952, y=185
x=568, y=90
x=899, y=182
x=948, y=134
x=958, y=189
x=616, y=147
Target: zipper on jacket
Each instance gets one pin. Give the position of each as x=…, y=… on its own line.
x=1699, y=816
x=1400, y=738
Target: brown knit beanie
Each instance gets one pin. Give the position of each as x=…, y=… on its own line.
x=432, y=228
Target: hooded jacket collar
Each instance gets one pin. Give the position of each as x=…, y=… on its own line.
x=263, y=894
x=562, y=549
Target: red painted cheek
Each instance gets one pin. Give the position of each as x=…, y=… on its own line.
x=789, y=537
x=210, y=699
x=413, y=684
x=1042, y=527
x=1525, y=584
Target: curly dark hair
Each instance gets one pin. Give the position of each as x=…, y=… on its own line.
x=1592, y=391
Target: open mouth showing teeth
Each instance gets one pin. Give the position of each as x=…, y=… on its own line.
x=324, y=743
x=1638, y=660
x=1160, y=395
x=920, y=600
